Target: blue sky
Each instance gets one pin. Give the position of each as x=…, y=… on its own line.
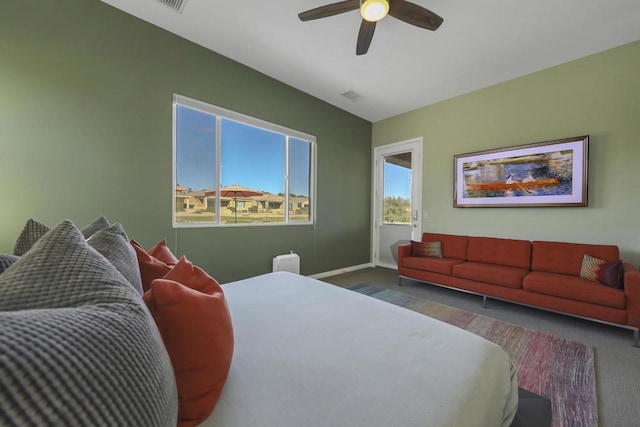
x=397, y=181
x=253, y=157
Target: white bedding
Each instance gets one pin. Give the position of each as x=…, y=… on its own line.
x=310, y=354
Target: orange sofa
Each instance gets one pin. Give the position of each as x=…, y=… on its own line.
x=539, y=274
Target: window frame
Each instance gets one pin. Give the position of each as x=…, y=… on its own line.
x=220, y=114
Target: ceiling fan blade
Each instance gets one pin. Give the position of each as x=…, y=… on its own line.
x=364, y=36
x=329, y=10
x=413, y=14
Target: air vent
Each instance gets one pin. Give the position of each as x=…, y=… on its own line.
x=176, y=5
x=352, y=96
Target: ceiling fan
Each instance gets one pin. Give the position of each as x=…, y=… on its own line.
x=374, y=10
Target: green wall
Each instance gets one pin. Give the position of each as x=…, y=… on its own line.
x=598, y=95
x=85, y=129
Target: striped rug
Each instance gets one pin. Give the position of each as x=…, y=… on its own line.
x=558, y=369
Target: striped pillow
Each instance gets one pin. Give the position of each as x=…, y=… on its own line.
x=608, y=273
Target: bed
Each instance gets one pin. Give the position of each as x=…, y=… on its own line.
x=82, y=342
x=308, y=353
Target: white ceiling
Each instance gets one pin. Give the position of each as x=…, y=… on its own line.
x=480, y=43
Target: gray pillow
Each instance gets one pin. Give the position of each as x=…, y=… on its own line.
x=7, y=261
x=33, y=230
x=78, y=345
x=95, y=226
x=116, y=228
x=113, y=243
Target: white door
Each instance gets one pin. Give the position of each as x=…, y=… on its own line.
x=397, y=206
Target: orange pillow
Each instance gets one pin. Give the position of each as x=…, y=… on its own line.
x=150, y=267
x=162, y=252
x=192, y=315
x=192, y=276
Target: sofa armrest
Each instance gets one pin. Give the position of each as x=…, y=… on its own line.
x=403, y=251
x=632, y=291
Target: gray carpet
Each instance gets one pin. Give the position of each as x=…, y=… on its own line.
x=617, y=361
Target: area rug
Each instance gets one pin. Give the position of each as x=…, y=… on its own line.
x=558, y=369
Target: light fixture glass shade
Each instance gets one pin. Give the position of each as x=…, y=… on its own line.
x=374, y=10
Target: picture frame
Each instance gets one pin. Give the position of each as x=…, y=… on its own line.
x=550, y=173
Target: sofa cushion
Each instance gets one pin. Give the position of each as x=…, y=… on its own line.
x=508, y=252
x=79, y=347
x=426, y=249
x=191, y=312
x=453, y=246
x=566, y=258
x=573, y=287
x=436, y=265
x=600, y=271
x=490, y=273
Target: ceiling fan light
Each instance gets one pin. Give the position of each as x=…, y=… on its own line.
x=374, y=10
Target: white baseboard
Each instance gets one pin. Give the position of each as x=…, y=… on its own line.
x=385, y=265
x=341, y=271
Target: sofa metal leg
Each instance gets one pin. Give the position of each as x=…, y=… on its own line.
x=636, y=337
x=399, y=281
x=484, y=301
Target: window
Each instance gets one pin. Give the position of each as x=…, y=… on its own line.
x=397, y=189
x=231, y=169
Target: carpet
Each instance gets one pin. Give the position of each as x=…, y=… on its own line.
x=558, y=369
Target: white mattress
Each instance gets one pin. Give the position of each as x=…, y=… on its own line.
x=310, y=354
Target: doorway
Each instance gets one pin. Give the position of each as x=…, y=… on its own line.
x=397, y=199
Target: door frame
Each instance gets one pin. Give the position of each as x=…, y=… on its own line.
x=414, y=145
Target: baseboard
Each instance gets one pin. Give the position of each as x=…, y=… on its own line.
x=385, y=265
x=341, y=271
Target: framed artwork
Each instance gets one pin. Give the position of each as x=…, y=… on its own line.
x=551, y=173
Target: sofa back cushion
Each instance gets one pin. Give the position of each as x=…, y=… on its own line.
x=509, y=252
x=453, y=246
x=566, y=258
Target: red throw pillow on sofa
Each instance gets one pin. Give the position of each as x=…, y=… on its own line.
x=192, y=315
x=152, y=268
x=609, y=273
